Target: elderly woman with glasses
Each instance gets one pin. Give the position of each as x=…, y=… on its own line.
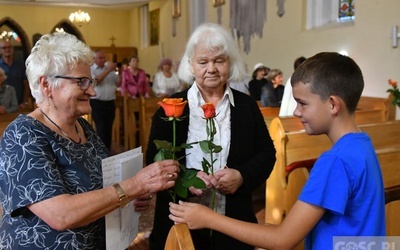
x=51, y=184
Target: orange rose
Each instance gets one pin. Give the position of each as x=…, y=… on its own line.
x=209, y=110
x=173, y=107
x=393, y=83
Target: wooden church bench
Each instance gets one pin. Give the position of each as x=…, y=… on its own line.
x=392, y=207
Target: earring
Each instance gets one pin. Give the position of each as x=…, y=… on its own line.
x=48, y=101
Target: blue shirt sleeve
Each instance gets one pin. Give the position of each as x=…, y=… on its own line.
x=329, y=185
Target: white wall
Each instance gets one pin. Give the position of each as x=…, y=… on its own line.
x=367, y=40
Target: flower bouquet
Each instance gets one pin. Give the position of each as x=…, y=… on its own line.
x=395, y=92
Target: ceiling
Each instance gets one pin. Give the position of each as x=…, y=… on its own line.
x=84, y=3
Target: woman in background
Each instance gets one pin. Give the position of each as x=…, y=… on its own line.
x=258, y=81
x=165, y=81
x=272, y=93
x=134, y=80
x=275, y=76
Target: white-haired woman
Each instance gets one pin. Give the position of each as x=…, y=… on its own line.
x=8, y=96
x=210, y=62
x=50, y=164
x=165, y=81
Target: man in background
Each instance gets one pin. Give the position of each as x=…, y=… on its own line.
x=103, y=104
x=15, y=71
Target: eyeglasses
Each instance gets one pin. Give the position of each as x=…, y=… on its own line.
x=83, y=82
x=6, y=47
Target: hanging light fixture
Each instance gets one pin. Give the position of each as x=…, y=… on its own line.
x=79, y=17
x=8, y=35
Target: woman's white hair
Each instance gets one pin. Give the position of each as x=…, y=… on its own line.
x=214, y=37
x=54, y=54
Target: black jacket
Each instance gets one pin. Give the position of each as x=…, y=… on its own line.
x=252, y=153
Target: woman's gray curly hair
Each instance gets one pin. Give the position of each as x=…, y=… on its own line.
x=55, y=54
x=214, y=37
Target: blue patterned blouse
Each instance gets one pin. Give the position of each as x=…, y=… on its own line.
x=36, y=164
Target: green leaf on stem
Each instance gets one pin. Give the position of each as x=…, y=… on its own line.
x=187, y=179
x=205, y=146
x=179, y=189
x=163, y=154
x=205, y=165
x=217, y=149
x=163, y=144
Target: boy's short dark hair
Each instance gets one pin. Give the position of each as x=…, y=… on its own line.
x=330, y=73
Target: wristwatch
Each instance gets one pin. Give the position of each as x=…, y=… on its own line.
x=123, y=199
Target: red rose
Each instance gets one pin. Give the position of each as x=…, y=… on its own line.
x=209, y=110
x=173, y=107
x=393, y=83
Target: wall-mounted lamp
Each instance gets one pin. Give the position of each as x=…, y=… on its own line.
x=395, y=36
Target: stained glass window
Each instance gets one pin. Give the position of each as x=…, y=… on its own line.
x=346, y=10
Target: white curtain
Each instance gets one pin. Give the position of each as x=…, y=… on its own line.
x=144, y=27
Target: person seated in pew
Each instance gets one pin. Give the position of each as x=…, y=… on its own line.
x=8, y=96
x=271, y=94
x=258, y=80
x=344, y=194
x=166, y=82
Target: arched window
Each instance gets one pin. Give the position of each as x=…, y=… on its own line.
x=19, y=39
x=68, y=27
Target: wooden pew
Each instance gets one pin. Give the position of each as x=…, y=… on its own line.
x=131, y=123
x=369, y=110
x=148, y=106
x=3, y=126
x=392, y=207
x=269, y=113
x=293, y=123
x=376, y=103
x=118, y=124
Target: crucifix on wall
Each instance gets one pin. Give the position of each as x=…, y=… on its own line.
x=112, y=38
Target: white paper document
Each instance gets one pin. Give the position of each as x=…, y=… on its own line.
x=121, y=224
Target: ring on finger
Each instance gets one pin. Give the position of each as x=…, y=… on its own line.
x=169, y=175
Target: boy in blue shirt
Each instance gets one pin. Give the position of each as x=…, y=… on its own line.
x=344, y=195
